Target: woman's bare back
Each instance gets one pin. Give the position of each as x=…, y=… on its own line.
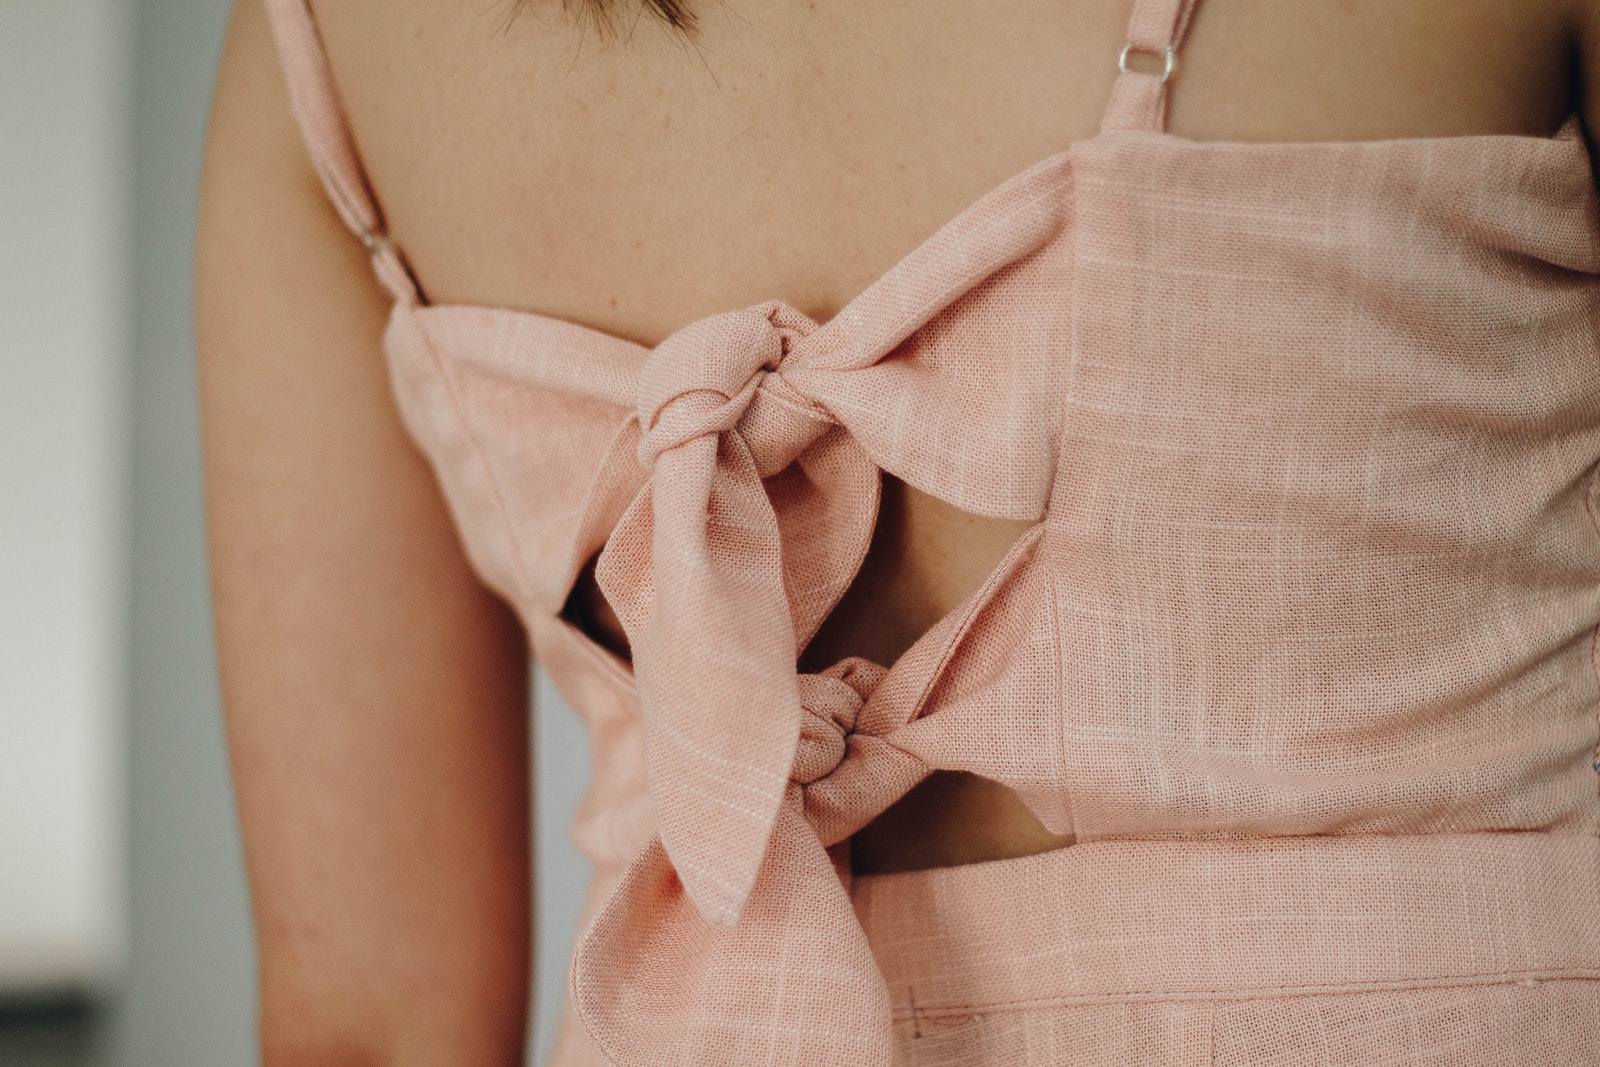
x=636, y=180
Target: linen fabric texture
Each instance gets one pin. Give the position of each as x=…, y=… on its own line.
x=1301, y=645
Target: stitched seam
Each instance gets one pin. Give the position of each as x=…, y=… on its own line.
x=601, y=657
x=1061, y=670
x=1443, y=981
x=1019, y=555
x=524, y=589
x=1192, y=837
x=1594, y=637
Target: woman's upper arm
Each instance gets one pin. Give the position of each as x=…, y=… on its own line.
x=375, y=692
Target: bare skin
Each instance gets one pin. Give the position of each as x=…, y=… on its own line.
x=793, y=149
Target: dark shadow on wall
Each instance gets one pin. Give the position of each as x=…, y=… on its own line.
x=54, y=1032
x=189, y=991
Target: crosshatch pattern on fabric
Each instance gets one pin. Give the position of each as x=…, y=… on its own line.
x=1300, y=646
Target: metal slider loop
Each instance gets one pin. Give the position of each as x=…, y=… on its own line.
x=1170, y=59
x=376, y=241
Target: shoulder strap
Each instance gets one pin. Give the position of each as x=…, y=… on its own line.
x=1139, y=98
x=315, y=103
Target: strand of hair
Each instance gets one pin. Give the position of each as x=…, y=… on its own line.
x=674, y=14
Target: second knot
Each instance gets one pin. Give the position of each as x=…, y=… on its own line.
x=831, y=702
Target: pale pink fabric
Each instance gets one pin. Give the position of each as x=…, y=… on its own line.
x=1300, y=645
x=1351, y=949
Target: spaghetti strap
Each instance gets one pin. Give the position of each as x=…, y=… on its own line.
x=1139, y=98
x=315, y=102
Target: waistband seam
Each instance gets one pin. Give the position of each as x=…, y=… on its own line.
x=1589, y=502
x=1237, y=993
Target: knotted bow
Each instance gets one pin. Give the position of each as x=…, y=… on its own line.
x=755, y=516
x=656, y=984
x=720, y=578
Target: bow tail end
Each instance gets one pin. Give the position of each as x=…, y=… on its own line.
x=794, y=981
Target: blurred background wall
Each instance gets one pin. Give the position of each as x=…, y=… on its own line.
x=63, y=363
x=189, y=989
x=131, y=80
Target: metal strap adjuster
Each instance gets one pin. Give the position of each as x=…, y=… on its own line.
x=377, y=242
x=1170, y=58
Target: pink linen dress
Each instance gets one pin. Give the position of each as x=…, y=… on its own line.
x=1301, y=645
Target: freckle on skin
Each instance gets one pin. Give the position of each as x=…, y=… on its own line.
x=666, y=120
x=613, y=302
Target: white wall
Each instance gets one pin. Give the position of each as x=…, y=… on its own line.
x=63, y=176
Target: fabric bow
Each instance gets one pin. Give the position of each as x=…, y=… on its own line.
x=655, y=984
x=755, y=517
